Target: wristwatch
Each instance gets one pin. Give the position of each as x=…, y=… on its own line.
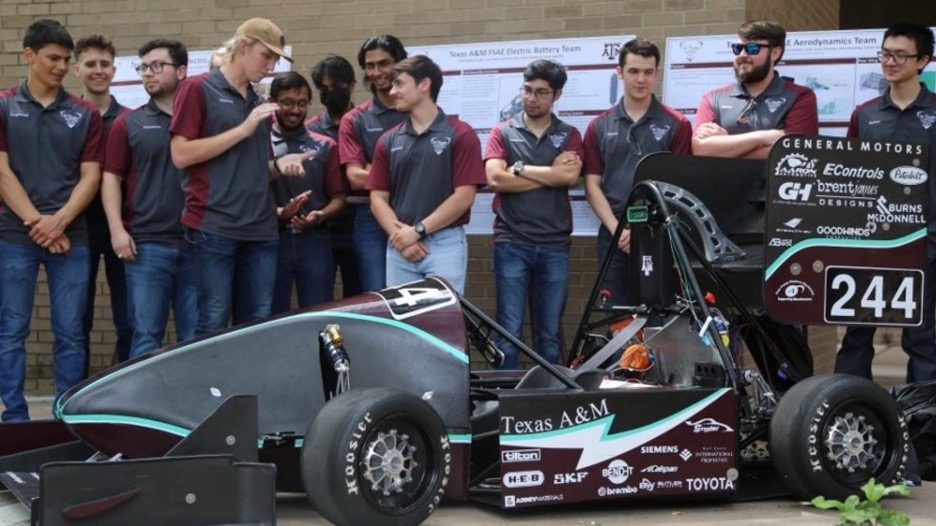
x=421, y=230
x=517, y=168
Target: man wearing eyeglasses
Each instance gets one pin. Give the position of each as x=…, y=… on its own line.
x=905, y=113
x=743, y=120
x=221, y=138
x=531, y=160
x=94, y=66
x=334, y=79
x=617, y=140
x=304, y=204
x=360, y=128
x=143, y=199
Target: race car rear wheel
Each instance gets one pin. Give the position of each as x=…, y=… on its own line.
x=831, y=433
x=377, y=457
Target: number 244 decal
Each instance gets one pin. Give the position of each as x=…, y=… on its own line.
x=873, y=296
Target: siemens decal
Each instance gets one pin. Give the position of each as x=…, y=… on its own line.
x=840, y=170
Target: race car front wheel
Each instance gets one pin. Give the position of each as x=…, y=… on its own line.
x=831, y=433
x=377, y=456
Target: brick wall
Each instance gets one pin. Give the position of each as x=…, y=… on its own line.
x=317, y=27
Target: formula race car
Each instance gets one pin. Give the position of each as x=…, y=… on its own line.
x=371, y=407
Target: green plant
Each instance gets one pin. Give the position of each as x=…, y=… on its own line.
x=868, y=512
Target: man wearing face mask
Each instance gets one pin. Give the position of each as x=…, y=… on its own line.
x=745, y=119
x=334, y=79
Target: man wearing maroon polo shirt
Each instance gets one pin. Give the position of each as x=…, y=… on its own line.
x=221, y=138
x=423, y=181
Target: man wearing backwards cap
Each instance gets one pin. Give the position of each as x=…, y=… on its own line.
x=221, y=139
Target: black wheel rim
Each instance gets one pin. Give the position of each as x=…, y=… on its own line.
x=397, y=466
x=856, y=443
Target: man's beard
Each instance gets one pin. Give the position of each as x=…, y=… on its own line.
x=756, y=74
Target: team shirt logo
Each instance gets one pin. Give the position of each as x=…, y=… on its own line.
x=557, y=138
x=439, y=144
x=305, y=148
x=71, y=117
x=926, y=119
x=774, y=104
x=659, y=131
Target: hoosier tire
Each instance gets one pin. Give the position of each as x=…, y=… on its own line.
x=831, y=433
x=378, y=456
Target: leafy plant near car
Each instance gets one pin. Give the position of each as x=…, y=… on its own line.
x=868, y=512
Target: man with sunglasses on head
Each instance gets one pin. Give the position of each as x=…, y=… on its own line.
x=334, y=79
x=617, y=140
x=745, y=119
x=357, y=139
x=531, y=160
x=904, y=113
x=143, y=199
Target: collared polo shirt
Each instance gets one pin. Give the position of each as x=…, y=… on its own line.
x=541, y=216
x=46, y=148
x=783, y=105
x=361, y=127
x=422, y=170
x=614, y=144
x=229, y=195
x=138, y=151
x=97, y=219
x=322, y=172
x=323, y=124
x=880, y=119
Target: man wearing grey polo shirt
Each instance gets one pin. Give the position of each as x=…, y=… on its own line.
x=904, y=113
x=50, y=169
x=423, y=181
x=744, y=119
x=94, y=57
x=221, y=138
x=531, y=160
x=143, y=199
x=617, y=140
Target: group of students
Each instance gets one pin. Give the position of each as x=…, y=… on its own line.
x=215, y=204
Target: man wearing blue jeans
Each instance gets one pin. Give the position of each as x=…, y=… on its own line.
x=531, y=160
x=142, y=195
x=360, y=128
x=221, y=138
x=94, y=57
x=305, y=243
x=50, y=169
x=423, y=181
